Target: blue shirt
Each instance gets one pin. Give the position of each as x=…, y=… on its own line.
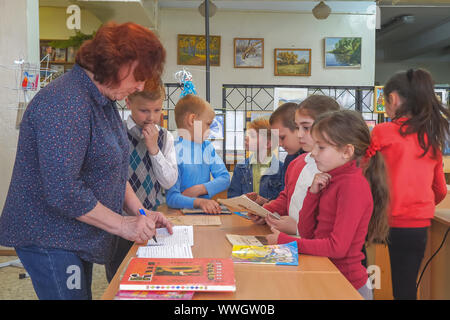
x=72, y=153
x=196, y=163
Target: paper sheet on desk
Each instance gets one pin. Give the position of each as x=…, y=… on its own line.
x=182, y=235
x=178, y=251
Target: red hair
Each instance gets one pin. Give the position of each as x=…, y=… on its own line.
x=116, y=45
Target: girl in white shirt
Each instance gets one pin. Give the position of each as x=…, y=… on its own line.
x=308, y=111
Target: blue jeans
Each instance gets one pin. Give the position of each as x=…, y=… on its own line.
x=57, y=274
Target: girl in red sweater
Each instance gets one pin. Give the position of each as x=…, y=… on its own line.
x=338, y=212
x=411, y=145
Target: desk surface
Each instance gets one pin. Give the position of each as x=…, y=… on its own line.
x=314, y=278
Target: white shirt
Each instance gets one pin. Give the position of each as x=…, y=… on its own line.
x=164, y=163
x=304, y=181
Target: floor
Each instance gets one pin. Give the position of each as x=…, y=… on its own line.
x=14, y=288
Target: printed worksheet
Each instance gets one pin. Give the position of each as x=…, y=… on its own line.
x=182, y=235
x=179, y=251
x=197, y=220
x=244, y=240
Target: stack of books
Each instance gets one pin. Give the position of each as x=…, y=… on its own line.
x=163, y=278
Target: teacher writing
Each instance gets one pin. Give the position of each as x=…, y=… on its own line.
x=69, y=183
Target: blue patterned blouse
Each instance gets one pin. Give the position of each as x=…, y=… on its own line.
x=72, y=153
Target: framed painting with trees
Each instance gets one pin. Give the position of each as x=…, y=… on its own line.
x=248, y=52
x=192, y=50
x=292, y=62
x=342, y=52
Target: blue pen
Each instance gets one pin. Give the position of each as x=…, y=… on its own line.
x=142, y=212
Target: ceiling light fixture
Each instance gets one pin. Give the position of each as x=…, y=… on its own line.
x=321, y=11
x=212, y=8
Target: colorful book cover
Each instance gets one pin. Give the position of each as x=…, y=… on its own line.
x=278, y=254
x=198, y=274
x=154, y=295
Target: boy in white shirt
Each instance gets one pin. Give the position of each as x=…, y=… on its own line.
x=153, y=163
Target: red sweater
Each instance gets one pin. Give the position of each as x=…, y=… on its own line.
x=416, y=183
x=333, y=223
x=281, y=203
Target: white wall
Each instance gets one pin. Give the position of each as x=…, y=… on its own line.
x=279, y=30
x=19, y=39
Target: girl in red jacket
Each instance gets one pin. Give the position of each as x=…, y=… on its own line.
x=411, y=145
x=338, y=212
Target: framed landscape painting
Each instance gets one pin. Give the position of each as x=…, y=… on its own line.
x=292, y=62
x=248, y=52
x=286, y=95
x=192, y=50
x=343, y=52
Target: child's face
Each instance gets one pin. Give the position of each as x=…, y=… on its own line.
x=327, y=156
x=304, y=124
x=203, y=122
x=255, y=141
x=144, y=111
x=288, y=139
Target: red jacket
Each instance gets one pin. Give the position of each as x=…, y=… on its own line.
x=416, y=183
x=333, y=223
x=281, y=203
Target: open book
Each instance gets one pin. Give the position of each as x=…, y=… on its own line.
x=243, y=203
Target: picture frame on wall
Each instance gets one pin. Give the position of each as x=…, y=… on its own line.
x=253, y=115
x=60, y=55
x=292, y=62
x=191, y=50
x=378, y=100
x=71, y=53
x=342, y=52
x=217, y=127
x=285, y=95
x=441, y=94
x=46, y=49
x=248, y=52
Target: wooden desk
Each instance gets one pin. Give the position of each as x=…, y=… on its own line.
x=446, y=161
x=435, y=283
x=314, y=278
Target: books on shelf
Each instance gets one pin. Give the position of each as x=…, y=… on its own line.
x=278, y=254
x=154, y=295
x=243, y=203
x=198, y=274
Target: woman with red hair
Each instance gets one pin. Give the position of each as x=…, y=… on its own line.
x=69, y=183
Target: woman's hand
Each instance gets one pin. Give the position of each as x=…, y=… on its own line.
x=137, y=228
x=320, y=181
x=160, y=220
x=273, y=237
x=151, y=133
x=286, y=224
